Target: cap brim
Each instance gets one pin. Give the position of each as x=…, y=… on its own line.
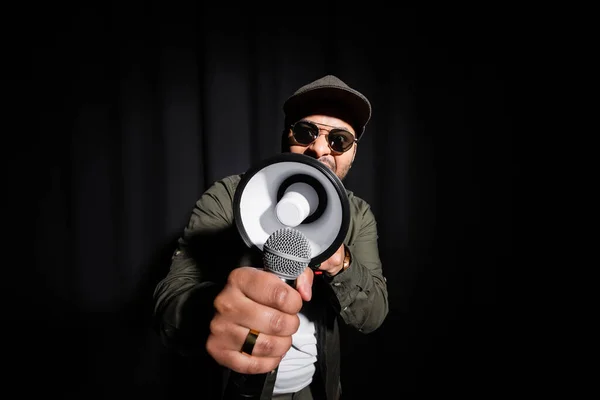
x=343, y=103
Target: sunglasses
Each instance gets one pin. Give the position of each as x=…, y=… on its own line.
x=305, y=132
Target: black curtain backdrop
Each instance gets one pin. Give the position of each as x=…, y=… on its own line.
x=120, y=116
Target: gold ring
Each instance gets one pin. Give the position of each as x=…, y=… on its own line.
x=250, y=342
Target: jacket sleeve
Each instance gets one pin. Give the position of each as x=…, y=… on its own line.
x=361, y=290
x=183, y=299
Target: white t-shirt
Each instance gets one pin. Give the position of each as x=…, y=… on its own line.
x=298, y=365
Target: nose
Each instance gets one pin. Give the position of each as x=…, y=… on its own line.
x=320, y=146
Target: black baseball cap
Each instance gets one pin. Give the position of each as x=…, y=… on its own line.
x=331, y=96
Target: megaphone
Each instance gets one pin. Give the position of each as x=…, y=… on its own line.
x=296, y=191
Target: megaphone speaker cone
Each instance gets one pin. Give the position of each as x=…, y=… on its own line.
x=292, y=190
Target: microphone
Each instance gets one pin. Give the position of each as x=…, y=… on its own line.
x=286, y=253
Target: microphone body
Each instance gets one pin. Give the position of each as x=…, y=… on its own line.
x=286, y=253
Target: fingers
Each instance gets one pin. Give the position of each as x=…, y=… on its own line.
x=335, y=263
x=265, y=345
x=266, y=288
x=246, y=312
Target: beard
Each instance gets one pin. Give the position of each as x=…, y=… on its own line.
x=332, y=165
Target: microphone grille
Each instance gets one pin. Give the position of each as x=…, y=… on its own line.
x=287, y=253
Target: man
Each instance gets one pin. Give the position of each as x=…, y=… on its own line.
x=225, y=305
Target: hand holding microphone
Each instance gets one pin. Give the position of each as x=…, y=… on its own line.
x=258, y=300
x=256, y=313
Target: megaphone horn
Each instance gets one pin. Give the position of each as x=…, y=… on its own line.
x=293, y=190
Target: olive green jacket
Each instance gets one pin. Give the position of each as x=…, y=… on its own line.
x=211, y=247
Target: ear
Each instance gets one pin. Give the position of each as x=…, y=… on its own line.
x=354, y=153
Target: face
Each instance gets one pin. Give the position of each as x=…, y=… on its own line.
x=319, y=149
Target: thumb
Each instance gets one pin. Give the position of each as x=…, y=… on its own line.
x=304, y=283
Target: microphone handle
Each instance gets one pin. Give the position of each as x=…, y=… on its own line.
x=291, y=282
x=245, y=387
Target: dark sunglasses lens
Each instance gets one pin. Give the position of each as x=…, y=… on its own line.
x=340, y=140
x=305, y=133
